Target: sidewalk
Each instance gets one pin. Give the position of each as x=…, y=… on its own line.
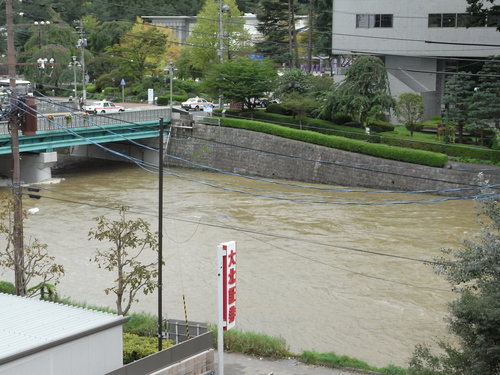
x=239, y=364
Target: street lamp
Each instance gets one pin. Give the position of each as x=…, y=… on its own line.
x=74, y=63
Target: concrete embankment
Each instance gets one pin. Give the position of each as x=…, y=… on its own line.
x=259, y=154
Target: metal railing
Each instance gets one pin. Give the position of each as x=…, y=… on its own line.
x=80, y=119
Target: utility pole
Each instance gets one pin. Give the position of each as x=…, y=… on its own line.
x=160, y=236
x=16, y=160
x=222, y=8
x=82, y=43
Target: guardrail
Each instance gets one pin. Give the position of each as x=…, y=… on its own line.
x=81, y=119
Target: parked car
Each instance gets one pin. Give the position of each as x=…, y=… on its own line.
x=103, y=106
x=196, y=103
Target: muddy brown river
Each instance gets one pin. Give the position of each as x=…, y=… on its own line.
x=325, y=270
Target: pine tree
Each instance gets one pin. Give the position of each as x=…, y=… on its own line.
x=273, y=25
x=485, y=105
x=459, y=89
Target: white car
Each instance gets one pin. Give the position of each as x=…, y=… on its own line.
x=197, y=104
x=103, y=106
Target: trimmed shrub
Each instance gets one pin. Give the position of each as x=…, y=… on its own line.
x=163, y=100
x=136, y=347
x=7, y=287
x=353, y=124
x=455, y=150
x=379, y=150
x=277, y=108
x=379, y=126
x=341, y=118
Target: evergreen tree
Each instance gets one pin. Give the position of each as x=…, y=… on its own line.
x=363, y=94
x=459, y=89
x=484, y=12
x=485, y=103
x=273, y=25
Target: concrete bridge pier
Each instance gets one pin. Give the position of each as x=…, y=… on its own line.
x=34, y=167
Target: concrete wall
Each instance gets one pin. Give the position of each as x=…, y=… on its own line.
x=201, y=363
x=252, y=153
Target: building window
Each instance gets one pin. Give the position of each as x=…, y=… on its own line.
x=461, y=20
x=373, y=20
x=435, y=20
x=383, y=20
x=449, y=20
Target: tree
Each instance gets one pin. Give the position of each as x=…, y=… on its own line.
x=144, y=50
x=202, y=44
x=459, y=89
x=273, y=17
x=474, y=273
x=410, y=108
x=241, y=80
x=483, y=13
x=292, y=81
x=365, y=87
x=36, y=266
x=128, y=240
x=485, y=106
x=299, y=105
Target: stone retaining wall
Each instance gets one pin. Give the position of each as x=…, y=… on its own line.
x=258, y=154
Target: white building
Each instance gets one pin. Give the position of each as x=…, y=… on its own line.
x=417, y=39
x=40, y=337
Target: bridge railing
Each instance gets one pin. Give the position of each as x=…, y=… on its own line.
x=80, y=119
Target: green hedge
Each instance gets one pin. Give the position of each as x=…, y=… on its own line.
x=317, y=125
x=378, y=126
x=456, y=150
x=379, y=150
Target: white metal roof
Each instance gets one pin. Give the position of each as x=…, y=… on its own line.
x=28, y=325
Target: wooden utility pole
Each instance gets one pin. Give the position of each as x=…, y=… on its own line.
x=16, y=160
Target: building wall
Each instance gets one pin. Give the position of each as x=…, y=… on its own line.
x=95, y=354
x=410, y=29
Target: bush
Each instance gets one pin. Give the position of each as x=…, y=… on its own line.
x=379, y=126
x=91, y=89
x=378, y=150
x=7, y=287
x=163, y=100
x=110, y=90
x=456, y=150
x=136, y=347
x=353, y=124
x=141, y=325
x=277, y=108
x=341, y=119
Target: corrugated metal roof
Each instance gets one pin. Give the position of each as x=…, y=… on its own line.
x=26, y=323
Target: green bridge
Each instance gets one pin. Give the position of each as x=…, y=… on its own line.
x=64, y=130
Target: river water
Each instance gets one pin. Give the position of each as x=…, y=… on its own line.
x=315, y=274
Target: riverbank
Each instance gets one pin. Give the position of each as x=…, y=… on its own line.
x=258, y=154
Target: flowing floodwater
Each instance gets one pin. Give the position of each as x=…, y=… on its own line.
x=308, y=272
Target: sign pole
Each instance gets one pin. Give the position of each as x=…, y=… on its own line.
x=226, y=294
x=220, y=319
x=123, y=83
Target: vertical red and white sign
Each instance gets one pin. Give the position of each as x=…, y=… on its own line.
x=227, y=254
